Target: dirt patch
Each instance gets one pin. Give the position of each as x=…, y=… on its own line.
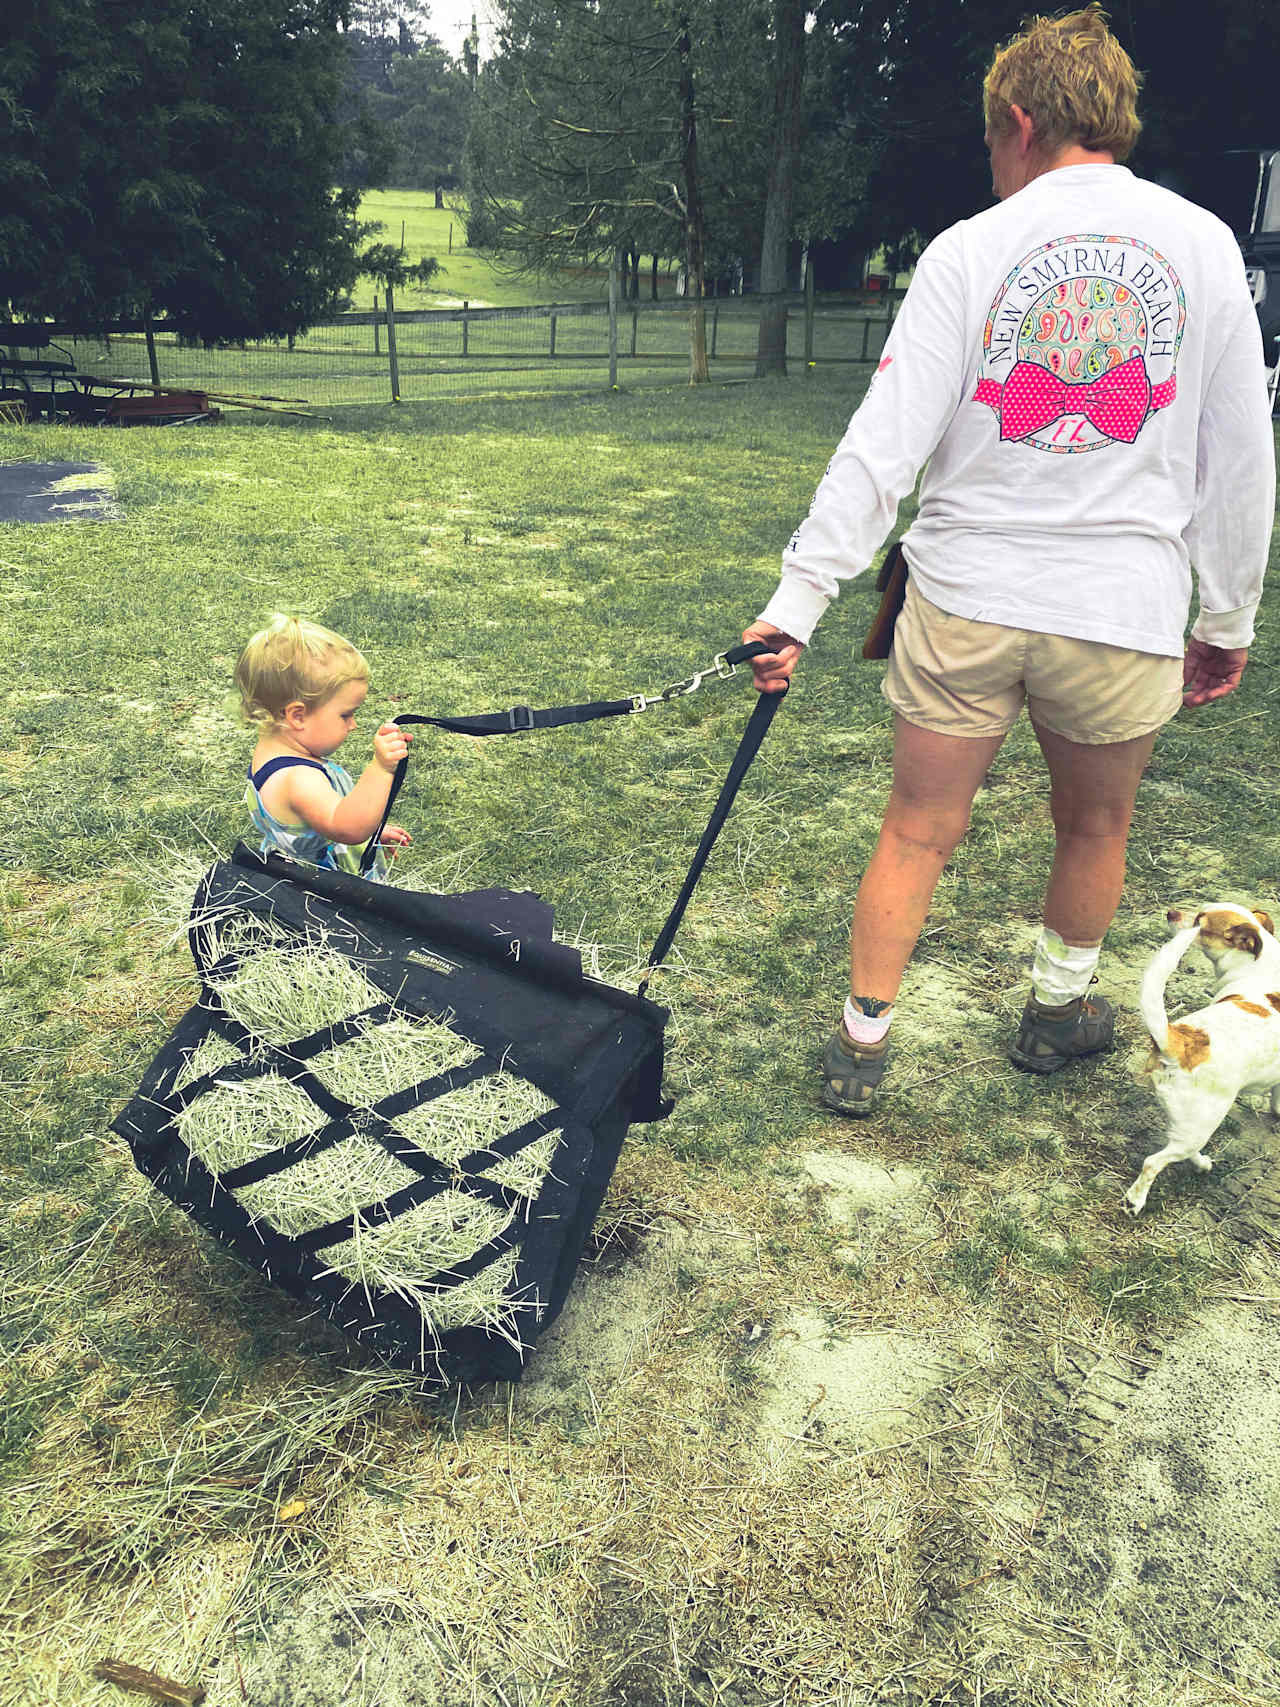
x=860, y=1193
x=210, y=732
x=616, y=1320
x=940, y=1010
x=340, y=1654
x=1172, y=1530
x=849, y=1390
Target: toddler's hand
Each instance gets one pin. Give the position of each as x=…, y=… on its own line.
x=395, y=836
x=390, y=745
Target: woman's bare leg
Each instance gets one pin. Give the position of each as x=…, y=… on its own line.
x=1091, y=799
x=935, y=778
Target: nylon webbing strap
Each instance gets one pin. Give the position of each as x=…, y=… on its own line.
x=757, y=727
x=520, y=719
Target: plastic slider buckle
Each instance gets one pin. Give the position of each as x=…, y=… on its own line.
x=520, y=717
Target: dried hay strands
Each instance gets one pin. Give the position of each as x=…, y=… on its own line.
x=282, y=990
x=283, y=993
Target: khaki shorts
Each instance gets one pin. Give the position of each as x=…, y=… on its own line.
x=959, y=677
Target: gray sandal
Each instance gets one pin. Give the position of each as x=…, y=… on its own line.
x=1052, y=1037
x=851, y=1073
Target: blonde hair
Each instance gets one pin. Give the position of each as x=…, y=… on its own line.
x=293, y=659
x=1074, y=79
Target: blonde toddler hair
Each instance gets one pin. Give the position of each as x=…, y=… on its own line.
x=1073, y=77
x=293, y=659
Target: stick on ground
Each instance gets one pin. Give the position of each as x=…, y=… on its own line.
x=149, y=1683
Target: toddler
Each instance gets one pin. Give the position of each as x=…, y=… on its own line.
x=302, y=686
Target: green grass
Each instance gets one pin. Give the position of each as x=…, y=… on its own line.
x=338, y=365
x=467, y=274
x=161, y=1404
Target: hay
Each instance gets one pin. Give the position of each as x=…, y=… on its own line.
x=387, y=1058
x=211, y=1056
x=404, y=1254
x=285, y=992
x=474, y=1117
x=236, y=1123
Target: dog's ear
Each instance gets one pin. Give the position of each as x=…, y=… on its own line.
x=1245, y=938
x=1264, y=919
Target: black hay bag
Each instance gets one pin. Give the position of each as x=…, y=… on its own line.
x=595, y=1054
x=502, y=1146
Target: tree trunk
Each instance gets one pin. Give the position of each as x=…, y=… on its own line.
x=694, y=245
x=788, y=88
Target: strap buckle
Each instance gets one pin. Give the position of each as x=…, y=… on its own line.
x=519, y=718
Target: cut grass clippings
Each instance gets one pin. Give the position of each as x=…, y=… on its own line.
x=202, y=1481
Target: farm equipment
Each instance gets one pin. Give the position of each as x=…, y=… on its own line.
x=47, y=387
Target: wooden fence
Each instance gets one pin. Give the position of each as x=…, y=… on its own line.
x=370, y=355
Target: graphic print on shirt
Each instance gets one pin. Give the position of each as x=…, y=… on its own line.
x=1081, y=344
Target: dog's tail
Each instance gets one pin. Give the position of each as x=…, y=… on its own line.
x=1154, y=979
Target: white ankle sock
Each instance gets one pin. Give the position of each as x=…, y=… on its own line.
x=1060, y=972
x=861, y=1027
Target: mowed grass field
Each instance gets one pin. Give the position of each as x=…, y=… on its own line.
x=905, y=1411
x=498, y=349
x=474, y=275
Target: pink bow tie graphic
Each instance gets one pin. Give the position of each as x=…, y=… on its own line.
x=1032, y=398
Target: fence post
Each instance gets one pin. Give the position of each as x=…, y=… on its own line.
x=151, y=350
x=391, y=346
x=377, y=329
x=613, y=320
x=466, y=326
x=809, y=310
x=866, y=333
x=635, y=321
x=552, y=349
x=715, y=329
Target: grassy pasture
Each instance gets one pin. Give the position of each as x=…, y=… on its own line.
x=800, y=1436
x=467, y=274
x=492, y=353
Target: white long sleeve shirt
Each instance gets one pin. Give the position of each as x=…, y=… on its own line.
x=1081, y=368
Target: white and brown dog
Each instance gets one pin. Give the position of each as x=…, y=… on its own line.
x=1200, y=1065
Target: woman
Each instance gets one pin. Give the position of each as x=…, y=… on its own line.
x=1080, y=367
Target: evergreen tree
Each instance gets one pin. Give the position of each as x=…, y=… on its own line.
x=164, y=157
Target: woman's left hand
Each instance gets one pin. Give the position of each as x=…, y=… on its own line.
x=394, y=836
x=1211, y=672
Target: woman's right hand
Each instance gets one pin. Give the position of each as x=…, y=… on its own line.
x=772, y=669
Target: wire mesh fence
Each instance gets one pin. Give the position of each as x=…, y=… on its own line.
x=366, y=358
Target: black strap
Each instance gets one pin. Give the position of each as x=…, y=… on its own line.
x=757, y=727
x=260, y=777
x=520, y=719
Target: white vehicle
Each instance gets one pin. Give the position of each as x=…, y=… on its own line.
x=1242, y=186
